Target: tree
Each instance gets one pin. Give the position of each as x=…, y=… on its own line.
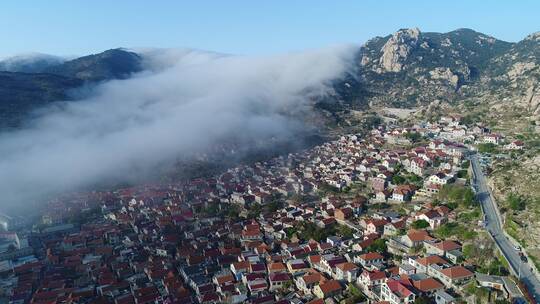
x=372, y=121
x=290, y=231
x=422, y=300
x=482, y=293
x=420, y=224
x=275, y=205
x=451, y=229
x=233, y=211
x=413, y=178
x=379, y=245
x=516, y=202
x=487, y=148
x=312, y=231
x=413, y=136
x=357, y=295
x=495, y=267
x=457, y=195
x=211, y=210
x=327, y=188
x=462, y=174
x=345, y=231
x=254, y=211
x=286, y=285
x=468, y=251
x=398, y=179
x=468, y=198
x=452, y=205
x=447, y=230
x=467, y=234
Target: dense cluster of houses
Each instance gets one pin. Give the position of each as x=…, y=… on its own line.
x=174, y=244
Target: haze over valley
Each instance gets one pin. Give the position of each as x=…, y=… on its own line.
x=125, y=115
x=382, y=152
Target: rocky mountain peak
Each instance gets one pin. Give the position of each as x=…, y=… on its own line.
x=533, y=37
x=396, y=50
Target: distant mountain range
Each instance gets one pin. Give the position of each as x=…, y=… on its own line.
x=30, y=63
x=404, y=69
x=410, y=68
x=30, y=83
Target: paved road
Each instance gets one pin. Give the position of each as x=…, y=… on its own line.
x=494, y=227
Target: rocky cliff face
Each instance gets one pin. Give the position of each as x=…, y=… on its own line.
x=532, y=102
x=411, y=68
x=397, y=49
x=515, y=76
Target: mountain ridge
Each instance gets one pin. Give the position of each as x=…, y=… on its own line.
x=23, y=92
x=29, y=63
x=110, y=64
x=404, y=69
x=413, y=68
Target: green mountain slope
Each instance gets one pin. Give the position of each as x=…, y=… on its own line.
x=111, y=64
x=21, y=93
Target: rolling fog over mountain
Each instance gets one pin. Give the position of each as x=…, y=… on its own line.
x=284, y=152
x=164, y=104
x=132, y=112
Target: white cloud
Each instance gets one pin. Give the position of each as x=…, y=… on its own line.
x=187, y=101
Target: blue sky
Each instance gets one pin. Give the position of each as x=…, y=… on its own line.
x=76, y=27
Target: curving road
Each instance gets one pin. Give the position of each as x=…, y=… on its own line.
x=494, y=227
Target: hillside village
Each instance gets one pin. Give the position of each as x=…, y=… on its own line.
x=386, y=218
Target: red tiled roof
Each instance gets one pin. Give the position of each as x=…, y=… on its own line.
x=279, y=277
x=374, y=275
x=457, y=272
x=377, y=222
x=371, y=256
x=312, y=278
x=427, y=285
x=447, y=245
x=315, y=259
x=419, y=235
x=330, y=286
x=432, y=259
x=241, y=265
x=276, y=266
x=347, y=266
x=400, y=287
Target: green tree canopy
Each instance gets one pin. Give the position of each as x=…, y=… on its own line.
x=487, y=148
x=516, y=202
x=420, y=224
x=378, y=245
x=413, y=136
x=398, y=179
